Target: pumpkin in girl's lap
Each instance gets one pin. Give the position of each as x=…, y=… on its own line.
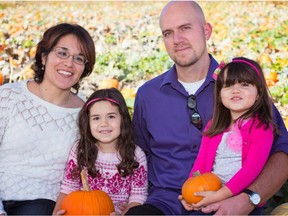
x=199, y=183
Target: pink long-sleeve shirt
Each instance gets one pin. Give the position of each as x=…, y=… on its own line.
x=256, y=146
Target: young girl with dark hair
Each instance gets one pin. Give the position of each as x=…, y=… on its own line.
x=238, y=139
x=107, y=152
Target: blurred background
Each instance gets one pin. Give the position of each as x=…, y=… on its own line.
x=129, y=46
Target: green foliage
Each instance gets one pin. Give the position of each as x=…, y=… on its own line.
x=132, y=68
x=280, y=91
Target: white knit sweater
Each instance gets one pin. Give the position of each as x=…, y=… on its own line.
x=35, y=140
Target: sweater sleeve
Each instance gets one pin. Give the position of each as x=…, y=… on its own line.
x=6, y=106
x=2, y=208
x=70, y=184
x=258, y=148
x=139, y=179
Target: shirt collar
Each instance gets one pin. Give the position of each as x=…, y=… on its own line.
x=171, y=77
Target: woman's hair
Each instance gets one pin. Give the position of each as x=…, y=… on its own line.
x=241, y=70
x=87, y=150
x=52, y=36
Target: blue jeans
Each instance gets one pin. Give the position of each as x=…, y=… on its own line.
x=29, y=207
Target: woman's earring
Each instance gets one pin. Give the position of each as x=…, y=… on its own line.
x=43, y=67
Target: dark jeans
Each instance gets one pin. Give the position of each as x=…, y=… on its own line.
x=29, y=207
x=147, y=209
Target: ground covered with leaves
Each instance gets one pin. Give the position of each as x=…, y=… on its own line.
x=128, y=39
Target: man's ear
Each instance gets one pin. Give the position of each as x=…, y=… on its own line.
x=208, y=30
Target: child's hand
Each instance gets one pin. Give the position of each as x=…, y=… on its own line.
x=60, y=212
x=187, y=206
x=123, y=207
x=208, y=198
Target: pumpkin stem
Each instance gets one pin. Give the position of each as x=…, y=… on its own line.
x=84, y=181
x=197, y=173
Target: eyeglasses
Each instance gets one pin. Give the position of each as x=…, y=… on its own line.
x=195, y=117
x=64, y=54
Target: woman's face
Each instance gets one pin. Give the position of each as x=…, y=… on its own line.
x=62, y=72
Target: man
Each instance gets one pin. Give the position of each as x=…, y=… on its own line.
x=169, y=129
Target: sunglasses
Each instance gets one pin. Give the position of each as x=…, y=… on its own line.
x=195, y=117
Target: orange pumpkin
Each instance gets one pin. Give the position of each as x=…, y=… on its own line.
x=32, y=52
x=274, y=76
x=199, y=183
x=128, y=92
x=109, y=83
x=95, y=202
x=271, y=78
x=1, y=78
x=286, y=122
x=280, y=210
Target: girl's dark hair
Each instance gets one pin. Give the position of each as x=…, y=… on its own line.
x=241, y=72
x=50, y=39
x=87, y=150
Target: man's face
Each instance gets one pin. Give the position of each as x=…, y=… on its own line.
x=184, y=33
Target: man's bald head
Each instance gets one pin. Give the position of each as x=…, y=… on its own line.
x=193, y=6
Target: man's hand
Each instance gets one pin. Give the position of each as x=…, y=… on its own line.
x=237, y=205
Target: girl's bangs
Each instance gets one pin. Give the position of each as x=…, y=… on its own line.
x=239, y=75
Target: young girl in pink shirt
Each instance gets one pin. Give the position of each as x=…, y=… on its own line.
x=107, y=152
x=238, y=139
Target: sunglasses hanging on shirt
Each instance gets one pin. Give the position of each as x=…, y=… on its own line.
x=195, y=117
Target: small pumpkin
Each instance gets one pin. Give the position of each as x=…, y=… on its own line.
x=286, y=122
x=280, y=210
x=1, y=78
x=109, y=83
x=128, y=92
x=198, y=183
x=274, y=76
x=271, y=78
x=32, y=52
x=95, y=202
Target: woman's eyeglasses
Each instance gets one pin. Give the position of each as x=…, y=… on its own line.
x=64, y=54
x=195, y=117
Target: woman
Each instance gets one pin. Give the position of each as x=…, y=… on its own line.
x=38, y=121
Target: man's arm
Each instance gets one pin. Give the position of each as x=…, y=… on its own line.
x=273, y=176
x=271, y=179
